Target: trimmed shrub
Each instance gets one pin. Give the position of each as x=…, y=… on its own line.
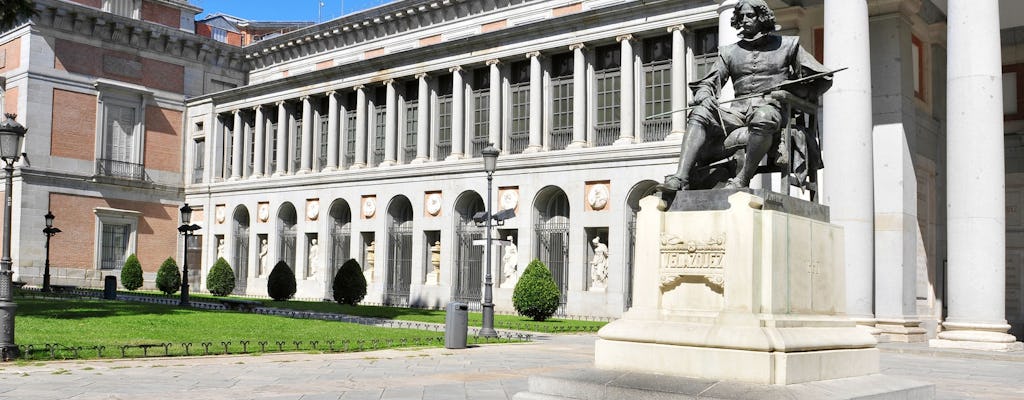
x=131, y=273
x=168, y=278
x=281, y=282
x=536, y=294
x=221, y=279
x=349, y=283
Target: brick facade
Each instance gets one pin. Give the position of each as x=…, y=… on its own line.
x=163, y=139
x=73, y=132
x=10, y=54
x=11, y=100
x=156, y=235
x=90, y=3
x=90, y=60
x=161, y=14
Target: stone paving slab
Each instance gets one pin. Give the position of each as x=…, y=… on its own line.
x=482, y=372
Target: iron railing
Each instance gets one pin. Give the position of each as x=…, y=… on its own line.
x=560, y=138
x=656, y=129
x=121, y=169
x=605, y=135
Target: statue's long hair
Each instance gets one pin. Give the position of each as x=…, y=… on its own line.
x=764, y=14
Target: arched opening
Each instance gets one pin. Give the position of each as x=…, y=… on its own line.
x=467, y=279
x=639, y=191
x=552, y=243
x=241, y=253
x=399, y=274
x=286, y=220
x=341, y=236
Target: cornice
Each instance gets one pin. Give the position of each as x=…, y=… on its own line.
x=80, y=20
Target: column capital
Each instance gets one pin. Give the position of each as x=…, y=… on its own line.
x=304, y=98
x=680, y=28
x=257, y=107
x=280, y=103
x=626, y=37
x=577, y=46
x=533, y=54
x=388, y=82
x=457, y=68
x=236, y=111
x=493, y=61
x=422, y=75
x=331, y=93
x=358, y=87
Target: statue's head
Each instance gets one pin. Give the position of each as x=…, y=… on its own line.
x=753, y=17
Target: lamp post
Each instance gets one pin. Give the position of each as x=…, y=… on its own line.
x=49, y=231
x=490, y=155
x=11, y=135
x=186, y=229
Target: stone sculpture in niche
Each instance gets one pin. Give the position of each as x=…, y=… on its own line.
x=510, y=264
x=263, y=254
x=599, y=265
x=314, y=256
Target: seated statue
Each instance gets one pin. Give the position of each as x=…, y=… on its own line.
x=725, y=144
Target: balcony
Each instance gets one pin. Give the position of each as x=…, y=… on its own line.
x=120, y=169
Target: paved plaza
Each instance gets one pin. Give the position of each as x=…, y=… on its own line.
x=484, y=372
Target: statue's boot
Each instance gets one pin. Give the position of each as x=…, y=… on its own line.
x=693, y=141
x=758, y=144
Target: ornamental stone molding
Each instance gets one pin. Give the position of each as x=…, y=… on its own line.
x=432, y=203
x=508, y=198
x=368, y=207
x=598, y=194
x=682, y=258
x=220, y=213
x=312, y=209
x=263, y=211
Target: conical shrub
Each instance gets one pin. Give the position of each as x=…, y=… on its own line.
x=536, y=294
x=281, y=282
x=349, y=283
x=168, y=278
x=221, y=279
x=131, y=273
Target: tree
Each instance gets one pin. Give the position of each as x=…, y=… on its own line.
x=14, y=12
x=168, y=278
x=221, y=280
x=131, y=273
x=349, y=283
x=536, y=294
x=281, y=282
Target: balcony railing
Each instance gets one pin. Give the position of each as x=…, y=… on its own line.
x=657, y=129
x=120, y=169
x=410, y=153
x=443, y=150
x=560, y=138
x=517, y=142
x=605, y=135
x=479, y=144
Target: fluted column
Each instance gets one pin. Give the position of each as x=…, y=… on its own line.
x=306, y=157
x=678, y=81
x=237, y=139
x=847, y=126
x=422, y=120
x=390, y=124
x=333, y=131
x=360, y=158
x=259, y=158
x=536, y=109
x=494, y=105
x=458, y=115
x=626, y=105
x=579, y=97
x=282, y=139
x=976, y=198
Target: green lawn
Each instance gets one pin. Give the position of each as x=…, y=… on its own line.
x=89, y=323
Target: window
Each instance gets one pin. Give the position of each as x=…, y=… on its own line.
x=350, y=130
x=705, y=50
x=519, y=97
x=917, y=56
x=481, y=109
x=1013, y=92
x=219, y=34
x=272, y=134
x=116, y=230
x=379, y=125
x=296, y=144
x=444, y=117
x=198, y=159
x=122, y=137
x=608, y=84
x=227, y=137
x=657, y=58
x=124, y=8
x=322, y=137
x=561, y=101
x=411, y=119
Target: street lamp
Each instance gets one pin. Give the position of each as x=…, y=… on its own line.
x=11, y=135
x=490, y=155
x=186, y=229
x=49, y=231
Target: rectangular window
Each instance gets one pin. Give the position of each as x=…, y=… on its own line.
x=705, y=50
x=322, y=137
x=296, y=144
x=561, y=101
x=227, y=135
x=917, y=56
x=198, y=160
x=444, y=117
x=657, y=59
x=114, y=245
x=519, y=97
x=411, y=119
x=481, y=108
x=379, y=122
x=122, y=150
x=218, y=34
x=272, y=133
x=608, y=87
x=350, y=131
x=1013, y=92
x=124, y=8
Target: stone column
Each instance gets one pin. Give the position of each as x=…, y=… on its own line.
x=536, y=106
x=390, y=124
x=847, y=130
x=422, y=120
x=976, y=198
x=360, y=158
x=306, y=158
x=282, y=139
x=626, y=91
x=259, y=159
x=726, y=35
x=579, y=97
x=679, y=98
x=494, y=105
x=458, y=115
x=333, y=131
x=237, y=139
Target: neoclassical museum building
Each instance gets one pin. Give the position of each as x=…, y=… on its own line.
x=361, y=137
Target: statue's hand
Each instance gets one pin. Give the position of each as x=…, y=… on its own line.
x=702, y=97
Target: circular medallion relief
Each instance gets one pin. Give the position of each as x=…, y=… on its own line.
x=433, y=204
x=312, y=210
x=598, y=196
x=220, y=215
x=369, y=207
x=264, y=212
x=509, y=199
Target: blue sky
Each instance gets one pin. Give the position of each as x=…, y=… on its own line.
x=284, y=10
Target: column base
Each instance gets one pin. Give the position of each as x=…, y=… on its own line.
x=974, y=345
x=255, y=176
x=357, y=166
x=622, y=141
x=419, y=160
x=454, y=156
x=387, y=163
x=976, y=336
x=901, y=331
x=675, y=136
x=576, y=145
x=330, y=168
x=278, y=173
x=532, y=149
x=304, y=171
x=234, y=178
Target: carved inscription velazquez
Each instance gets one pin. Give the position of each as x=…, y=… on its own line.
x=681, y=258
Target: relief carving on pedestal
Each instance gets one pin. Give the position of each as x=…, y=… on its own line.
x=681, y=258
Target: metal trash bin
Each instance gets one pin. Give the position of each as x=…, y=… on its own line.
x=456, y=325
x=110, y=287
